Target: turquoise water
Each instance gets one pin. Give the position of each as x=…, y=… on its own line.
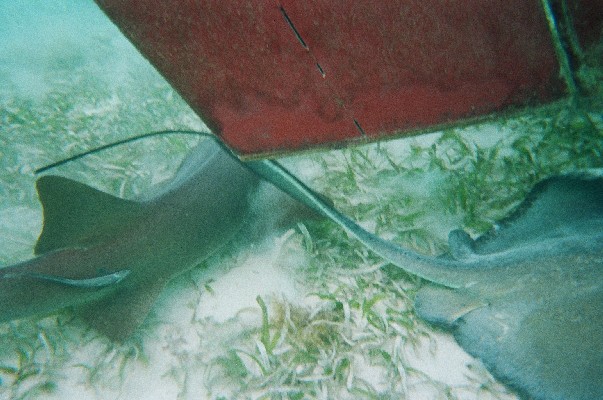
x=337, y=322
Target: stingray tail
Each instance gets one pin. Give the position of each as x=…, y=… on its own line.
x=437, y=270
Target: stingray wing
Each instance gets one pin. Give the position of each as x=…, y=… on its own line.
x=53, y=281
x=550, y=352
x=556, y=207
x=553, y=351
x=118, y=315
x=536, y=323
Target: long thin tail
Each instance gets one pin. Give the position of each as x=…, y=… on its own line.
x=437, y=270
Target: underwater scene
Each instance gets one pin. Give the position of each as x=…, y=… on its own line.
x=290, y=307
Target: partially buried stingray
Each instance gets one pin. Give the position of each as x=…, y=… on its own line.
x=527, y=299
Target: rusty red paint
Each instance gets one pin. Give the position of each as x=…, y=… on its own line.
x=271, y=76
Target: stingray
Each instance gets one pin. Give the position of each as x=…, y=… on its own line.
x=525, y=298
x=109, y=258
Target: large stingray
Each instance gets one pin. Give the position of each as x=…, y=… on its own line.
x=111, y=257
x=527, y=299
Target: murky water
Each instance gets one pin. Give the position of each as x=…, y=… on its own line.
x=301, y=313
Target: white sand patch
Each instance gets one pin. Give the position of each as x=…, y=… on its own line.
x=440, y=358
x=258, y=273
x=444, y=362
x=19, y=229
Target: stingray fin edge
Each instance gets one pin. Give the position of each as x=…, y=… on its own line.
x=77, y=215
x=119, y=314
x=86, y=283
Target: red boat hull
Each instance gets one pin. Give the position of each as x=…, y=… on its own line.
x=275, y=76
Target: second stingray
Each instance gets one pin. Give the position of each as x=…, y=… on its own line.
x=527, y=299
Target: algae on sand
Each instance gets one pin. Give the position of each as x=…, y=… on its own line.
x=351, y=332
